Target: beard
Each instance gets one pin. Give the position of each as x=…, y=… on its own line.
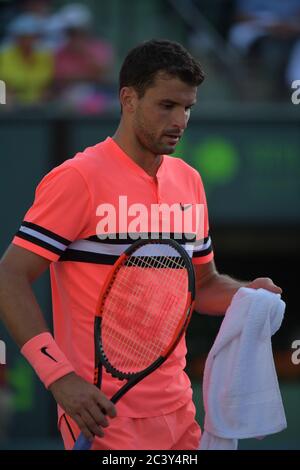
x=149, y=139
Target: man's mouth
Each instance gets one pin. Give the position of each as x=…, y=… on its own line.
x=173, y=138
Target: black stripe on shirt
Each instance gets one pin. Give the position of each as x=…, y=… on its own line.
x=88, y=257
x=41, y=243
x=200, y=254
x=46, y=232
x=128, y=239
x=97, y=258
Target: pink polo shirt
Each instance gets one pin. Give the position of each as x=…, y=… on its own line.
x=64, y=224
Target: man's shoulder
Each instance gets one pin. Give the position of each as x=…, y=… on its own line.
x=83, y=166
x=88, y=160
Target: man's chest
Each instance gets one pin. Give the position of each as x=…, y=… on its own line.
x=131, y=204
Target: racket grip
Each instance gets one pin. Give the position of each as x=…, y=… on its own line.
x=82, y=443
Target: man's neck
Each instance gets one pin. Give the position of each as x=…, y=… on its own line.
x=145, y=159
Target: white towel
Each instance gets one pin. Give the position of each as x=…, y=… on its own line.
x=240, y=387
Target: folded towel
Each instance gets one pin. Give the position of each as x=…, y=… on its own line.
x=240, y=386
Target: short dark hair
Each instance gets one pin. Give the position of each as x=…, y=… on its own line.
x=142, y=64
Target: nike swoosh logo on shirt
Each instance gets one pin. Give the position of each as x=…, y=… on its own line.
x=44, y=351
x=184, y=207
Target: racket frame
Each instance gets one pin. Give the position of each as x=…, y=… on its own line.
x=82, y=443
x=101, y=359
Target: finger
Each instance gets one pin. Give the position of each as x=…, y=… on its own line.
x=265, y=283
x=272, y=287
x=91, y=424
x=107, y=407
x=98, y=415
x=276, y=289
x=83, y=428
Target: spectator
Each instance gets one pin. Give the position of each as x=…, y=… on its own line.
x=52, y=28
x=265, y=31
x=83, y=65
x=52, y=34
x=26, y=69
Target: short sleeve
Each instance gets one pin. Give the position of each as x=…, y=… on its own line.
x=203, y=250
x=59, y=215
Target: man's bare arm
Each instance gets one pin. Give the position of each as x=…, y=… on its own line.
x=24, y=319
x=214, y=291
x=19, y=308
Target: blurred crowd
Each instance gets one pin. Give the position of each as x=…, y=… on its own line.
x=51, y=56
x=255, y=44
x=267, y=34
x=49, y=53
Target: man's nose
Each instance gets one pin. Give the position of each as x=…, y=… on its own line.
x=180, y=119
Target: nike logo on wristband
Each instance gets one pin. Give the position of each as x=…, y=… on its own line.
x=44, y=351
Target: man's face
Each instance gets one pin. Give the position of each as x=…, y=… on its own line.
x=161, y=115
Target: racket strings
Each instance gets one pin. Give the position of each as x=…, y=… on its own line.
x=143, y=309
x=143, y=343
x=160, y=261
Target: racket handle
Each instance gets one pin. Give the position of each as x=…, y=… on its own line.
x=82, y=443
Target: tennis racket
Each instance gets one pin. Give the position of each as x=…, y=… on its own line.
x=142, y=313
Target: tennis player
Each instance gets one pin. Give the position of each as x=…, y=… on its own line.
x=65, y=229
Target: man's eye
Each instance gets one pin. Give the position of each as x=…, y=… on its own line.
x=167, y=106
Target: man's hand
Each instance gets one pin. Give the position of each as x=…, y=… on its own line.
x=264, y=283
x=84, y=402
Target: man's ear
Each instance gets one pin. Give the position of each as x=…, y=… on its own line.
x=128, y=99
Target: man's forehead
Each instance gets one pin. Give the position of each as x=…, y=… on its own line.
x=168, y=87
